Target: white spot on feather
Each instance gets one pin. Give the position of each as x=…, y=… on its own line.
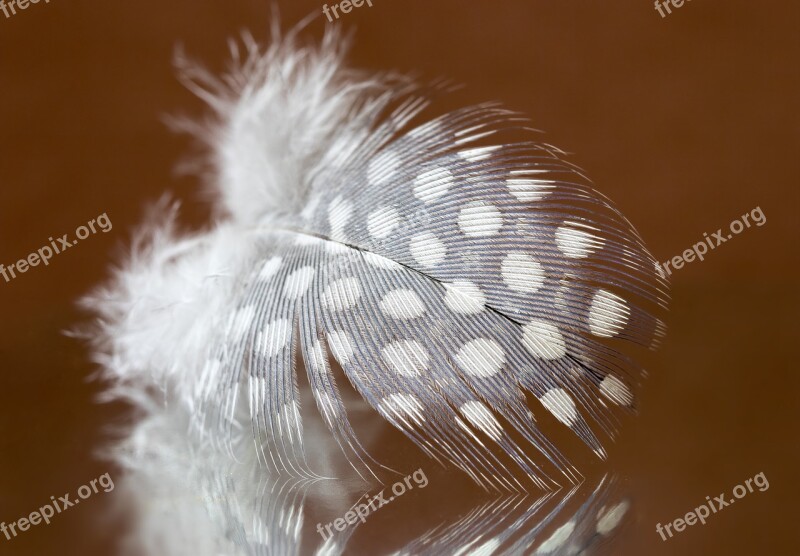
x=616, y=390
x=482, y=357
x=407, y=357
x=427, y=250
x=529, y=190
x=383, y=167
x=608, y=314
x=298, y=282
x=478, y=153
x=336, y=248
x=522, y=273
x=276, y=336
x=382, y=222
x=464, y=297
x=341, y=347
x=481, y=418
x=543, y=340
x=270, y=268
x=561, y=405
x=430, y=185
x=379, y=261
x=318, y=360
x=241, y=320
x=339, y=214
x=486, y=549
x=341, y=294
x=402, y=304
x=479, y=219
x=403, y=406
x=576, y=244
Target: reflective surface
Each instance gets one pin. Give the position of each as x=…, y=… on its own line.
x=685, y=122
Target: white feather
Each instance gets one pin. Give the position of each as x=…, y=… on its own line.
x=285, y=120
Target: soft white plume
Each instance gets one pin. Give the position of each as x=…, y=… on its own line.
x=281, y=115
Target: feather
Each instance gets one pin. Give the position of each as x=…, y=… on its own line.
x=446, y=271
x=466, y=282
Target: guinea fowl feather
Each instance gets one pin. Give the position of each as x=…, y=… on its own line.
x=464, y=280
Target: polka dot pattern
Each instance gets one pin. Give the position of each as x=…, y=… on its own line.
x=432, y=184
x=543, y=340
x=479, y=219
x=608, y=314
x=616, y=390
x=576, y=243
x=276, y=336
x=529, y=190
x=481, y=417
x=270, y=268
x=406, y=357
x=521, y=273
x=464, y=297
x=339, y=214
x=452, y=280
x=298, y=282
x=482, y=357
x=382, y=222
x=383, y=167
x=427, y=250
x=402, y=304
x=561, y=405
x=341, y=294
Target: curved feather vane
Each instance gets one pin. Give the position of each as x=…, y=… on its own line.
x=453, y=273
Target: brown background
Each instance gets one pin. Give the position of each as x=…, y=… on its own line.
x=686, y=122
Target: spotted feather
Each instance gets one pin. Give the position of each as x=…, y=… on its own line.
x=464, y=279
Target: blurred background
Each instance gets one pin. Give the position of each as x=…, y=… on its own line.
x=687, y=122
